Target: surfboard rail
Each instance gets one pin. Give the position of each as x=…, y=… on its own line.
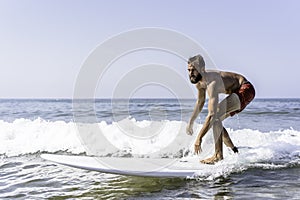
x=145, y=167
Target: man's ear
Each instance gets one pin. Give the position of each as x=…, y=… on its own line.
x=202, y=70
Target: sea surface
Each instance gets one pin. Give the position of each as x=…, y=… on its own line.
x=267, y=134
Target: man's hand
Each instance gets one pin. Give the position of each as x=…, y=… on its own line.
x=197, y=147
x=189, y=129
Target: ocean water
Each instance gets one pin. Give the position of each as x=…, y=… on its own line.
x=267, y=134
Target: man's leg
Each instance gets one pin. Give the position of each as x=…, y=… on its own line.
x=227, y=141
x=228, y=105
x=218, y=131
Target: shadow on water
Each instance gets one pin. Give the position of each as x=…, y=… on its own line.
x=127, y=187
x=130, y=187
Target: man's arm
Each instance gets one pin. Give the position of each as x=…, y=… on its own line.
x=197, y=109
x=211, y=117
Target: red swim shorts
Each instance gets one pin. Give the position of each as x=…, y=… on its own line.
x=246, y=94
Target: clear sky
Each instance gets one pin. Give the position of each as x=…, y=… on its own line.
x=44, y=43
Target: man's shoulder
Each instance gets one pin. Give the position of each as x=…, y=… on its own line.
x=201, y=85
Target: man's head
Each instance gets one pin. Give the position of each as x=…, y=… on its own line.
x=196, y=67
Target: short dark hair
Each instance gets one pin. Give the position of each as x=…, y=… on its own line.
x=197, y=61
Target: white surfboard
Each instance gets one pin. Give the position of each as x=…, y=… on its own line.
x=130, y=166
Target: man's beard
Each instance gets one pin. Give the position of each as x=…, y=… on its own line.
x=195, y=79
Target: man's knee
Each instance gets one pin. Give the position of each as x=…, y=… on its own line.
x=234, y=101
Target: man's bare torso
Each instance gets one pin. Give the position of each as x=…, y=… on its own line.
x=224, y=82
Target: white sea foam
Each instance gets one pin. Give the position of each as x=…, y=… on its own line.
x=165, y=138
x=24, y=136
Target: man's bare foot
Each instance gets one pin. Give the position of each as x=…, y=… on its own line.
x=212, y=160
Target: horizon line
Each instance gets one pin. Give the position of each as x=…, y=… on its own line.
x=106, y=98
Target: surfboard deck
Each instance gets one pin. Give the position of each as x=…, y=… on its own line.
x=146, y=167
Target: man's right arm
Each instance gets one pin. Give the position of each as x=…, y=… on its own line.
x=197, y=109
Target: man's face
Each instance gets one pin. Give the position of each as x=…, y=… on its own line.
x=194, y=75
